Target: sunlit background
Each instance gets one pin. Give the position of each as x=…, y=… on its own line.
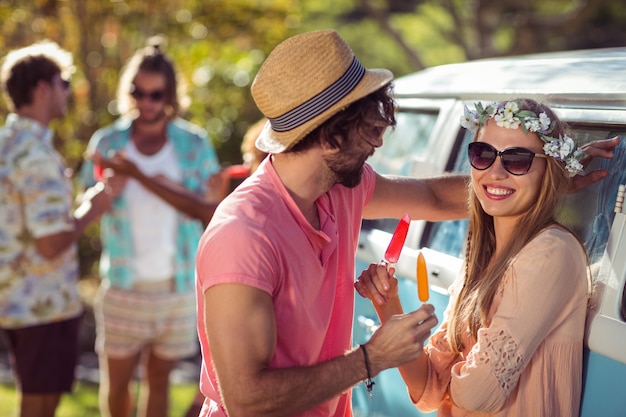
x=218, y=46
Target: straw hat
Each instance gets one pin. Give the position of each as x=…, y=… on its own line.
x=304, y=81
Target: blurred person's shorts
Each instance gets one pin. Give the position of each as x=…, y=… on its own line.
x=148, y=314
x=44, y=356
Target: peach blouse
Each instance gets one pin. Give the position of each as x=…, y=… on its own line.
x=528, y=361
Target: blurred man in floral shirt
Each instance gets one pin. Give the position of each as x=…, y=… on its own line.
x=40, y=310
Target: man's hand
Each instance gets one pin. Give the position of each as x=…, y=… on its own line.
x=401, y=339
x=598, y=148
x=218, y=186
x=114, y=184
x=118, y=163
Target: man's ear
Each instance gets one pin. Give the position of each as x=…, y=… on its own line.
x=42, y=88
x=327, y=147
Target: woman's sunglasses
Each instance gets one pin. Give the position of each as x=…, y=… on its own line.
x=139, y=94
x=517, y=161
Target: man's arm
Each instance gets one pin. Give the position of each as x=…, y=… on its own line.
x=179, y=197
x=434, y=199
x=241, y=329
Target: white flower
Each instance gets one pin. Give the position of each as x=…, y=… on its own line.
x=506, y=120
x=552, y=149
x=511, y=108
x=532, y=125
x=574, y=166
x=469, y=120
x=567, y=147
x=544, y=121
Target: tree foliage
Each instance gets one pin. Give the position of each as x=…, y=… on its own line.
x=421, y=33
x=218, y=45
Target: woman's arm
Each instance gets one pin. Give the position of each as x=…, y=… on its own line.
x=381, y=287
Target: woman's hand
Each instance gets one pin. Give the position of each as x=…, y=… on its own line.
x=377, y=283
x=596, y=149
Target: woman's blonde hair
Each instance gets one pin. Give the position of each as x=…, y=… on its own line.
x=483, y=273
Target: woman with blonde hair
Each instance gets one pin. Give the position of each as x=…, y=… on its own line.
x=511, y=343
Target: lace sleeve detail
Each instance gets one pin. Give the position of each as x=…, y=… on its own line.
x=500, y=352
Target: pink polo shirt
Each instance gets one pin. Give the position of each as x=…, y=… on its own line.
x=308, y=273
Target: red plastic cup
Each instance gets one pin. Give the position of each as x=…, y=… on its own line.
x=238, y=171
x=98, y=172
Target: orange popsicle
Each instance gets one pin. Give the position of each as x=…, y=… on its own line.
x=422, y=278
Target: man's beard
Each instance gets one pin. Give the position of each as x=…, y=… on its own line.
x=347, y=176
x=152, y=120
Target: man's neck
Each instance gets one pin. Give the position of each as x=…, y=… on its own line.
x=149, y=138
x=34, y=113
x=152, y=127
x=303, y=176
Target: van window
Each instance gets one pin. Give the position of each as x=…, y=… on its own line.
x=449, y=236
x=401, y=147
x=590, y=212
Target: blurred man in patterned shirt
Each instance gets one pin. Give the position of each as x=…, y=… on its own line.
x=40, y=311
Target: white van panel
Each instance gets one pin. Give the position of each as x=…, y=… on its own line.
x=606, y=329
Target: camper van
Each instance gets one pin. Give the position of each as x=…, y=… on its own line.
x=587, y=89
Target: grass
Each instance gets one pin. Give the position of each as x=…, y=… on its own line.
x=83, y=402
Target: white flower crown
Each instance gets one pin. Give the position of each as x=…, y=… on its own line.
x=509, y=115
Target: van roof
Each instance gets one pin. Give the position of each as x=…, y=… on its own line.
x=592, y=78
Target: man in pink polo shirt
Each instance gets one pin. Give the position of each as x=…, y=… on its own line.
x=275, y=267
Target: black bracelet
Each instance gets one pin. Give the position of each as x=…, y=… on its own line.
x=369, y=383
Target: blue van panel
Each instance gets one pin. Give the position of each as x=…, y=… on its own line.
x=604, y=387
x=390, y=397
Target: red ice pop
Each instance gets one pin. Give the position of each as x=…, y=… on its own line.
x=397, y=240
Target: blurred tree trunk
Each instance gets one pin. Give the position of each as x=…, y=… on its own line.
x=382, y=18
